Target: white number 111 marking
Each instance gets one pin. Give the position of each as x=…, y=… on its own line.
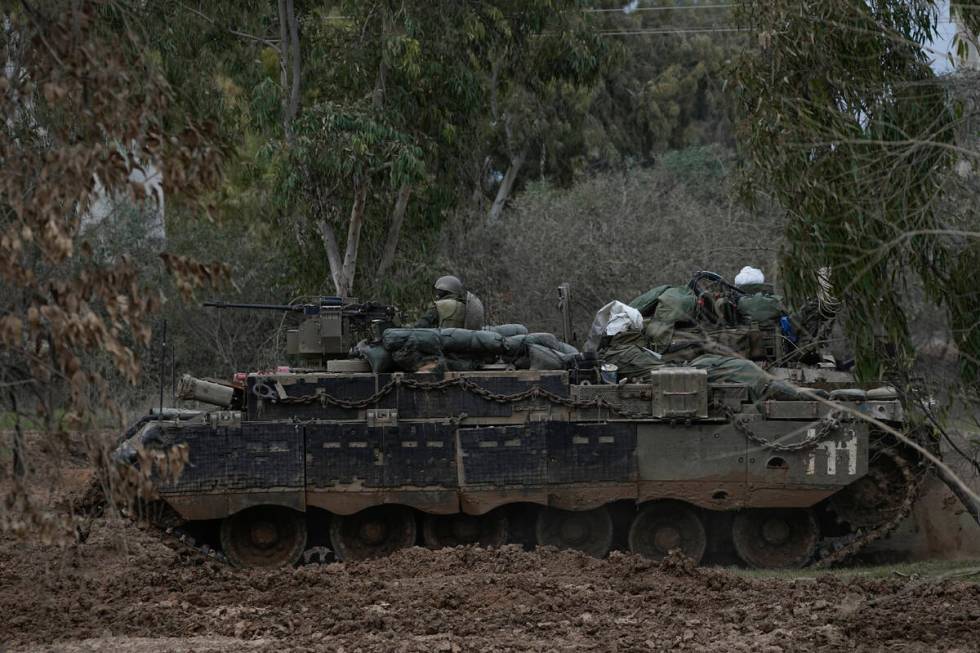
x=833, y=448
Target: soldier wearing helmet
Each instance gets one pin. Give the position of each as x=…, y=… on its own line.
x=453, y=307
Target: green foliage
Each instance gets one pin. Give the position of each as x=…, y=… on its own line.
x=206, y=61
x=667, y=89
x=438, y=95
x=420, y=94
x=408, y=66
x=540, y=75
x=844, y=122
x=340, y=143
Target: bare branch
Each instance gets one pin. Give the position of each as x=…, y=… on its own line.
x=272, y=43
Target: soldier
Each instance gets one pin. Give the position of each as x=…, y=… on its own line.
x=453, y=307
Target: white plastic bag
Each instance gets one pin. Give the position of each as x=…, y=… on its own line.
x=615, y=317
x=749, y=276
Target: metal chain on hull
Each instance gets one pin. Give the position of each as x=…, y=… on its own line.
x=263, y=391
x=822, y=430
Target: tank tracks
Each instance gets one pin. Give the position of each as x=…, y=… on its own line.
x=830, y=550
x=853, y=544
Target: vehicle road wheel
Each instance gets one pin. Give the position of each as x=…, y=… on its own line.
x=456, y=530
x=589, y=531
x=373, y=532
x=774, y=538
x=662, y=526
x=264, y=536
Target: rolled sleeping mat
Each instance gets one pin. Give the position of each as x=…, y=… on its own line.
x=515, y=346
x=545, y=358
x=422, y=340
x=508, y=330
x=474, y=343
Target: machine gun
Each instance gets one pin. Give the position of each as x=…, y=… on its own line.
x=330, y=328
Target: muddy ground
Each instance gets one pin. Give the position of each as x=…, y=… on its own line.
x=125, y=590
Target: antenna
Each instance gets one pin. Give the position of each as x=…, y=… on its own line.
x=564, y=305
x=173, y=374
x=163, y=362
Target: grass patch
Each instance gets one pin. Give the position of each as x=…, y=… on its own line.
x=98, y=421
x=27, y=422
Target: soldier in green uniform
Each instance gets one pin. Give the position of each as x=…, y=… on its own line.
x=453, y=307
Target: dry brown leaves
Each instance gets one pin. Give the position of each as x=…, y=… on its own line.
x=189, y=274
x=22, y=515
x=138, y=482
x=86, y=109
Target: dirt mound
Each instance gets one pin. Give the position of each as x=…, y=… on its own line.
x=125, y=590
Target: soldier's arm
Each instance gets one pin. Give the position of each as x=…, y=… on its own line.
x=428, y=320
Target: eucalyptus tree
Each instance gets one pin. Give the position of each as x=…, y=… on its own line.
x=845, y=123
x=414, y=99
x=668, y=90
x=343, y=156
x=386, y=100
x=540, y=69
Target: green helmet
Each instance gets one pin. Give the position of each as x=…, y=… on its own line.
x=450, y=285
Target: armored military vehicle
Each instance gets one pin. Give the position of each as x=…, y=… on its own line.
x=332, y=454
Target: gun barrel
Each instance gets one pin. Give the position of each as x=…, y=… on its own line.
x=258, y=307
x=362, y=312
x=370, y=311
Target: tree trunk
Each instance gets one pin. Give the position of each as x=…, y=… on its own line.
x=333, y=255
x=295, y=61
x=17, y=444
x=342, y=271
x=507, y=185
x=353, y=239
x=289, y=65
x=394, y=231
x=378, y=98
x=284, y=65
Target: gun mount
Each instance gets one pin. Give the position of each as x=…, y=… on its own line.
x=330, y=328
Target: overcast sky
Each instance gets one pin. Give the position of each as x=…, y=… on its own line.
x=944, y=43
